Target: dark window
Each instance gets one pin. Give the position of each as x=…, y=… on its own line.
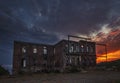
x=54, y=50
x=23, y=62
x=87, y=49
x=91, y=49
x=77, y=48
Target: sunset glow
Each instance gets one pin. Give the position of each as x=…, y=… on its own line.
x=110, y=56
x=110, y=36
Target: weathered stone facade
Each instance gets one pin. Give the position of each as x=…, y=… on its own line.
x=30, y=57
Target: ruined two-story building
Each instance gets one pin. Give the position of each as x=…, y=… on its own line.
x=31, y=57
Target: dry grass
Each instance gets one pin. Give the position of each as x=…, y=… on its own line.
x=86, y=77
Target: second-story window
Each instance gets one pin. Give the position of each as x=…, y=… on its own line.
x=91, y=49
x=44, y=50
x=66, y=48
x=87, y=49
x=77, y=48
x=70, y=60
x=54, y=50
x=23, y=49
x=71, y=49
x=82, y=48
x=35, y=50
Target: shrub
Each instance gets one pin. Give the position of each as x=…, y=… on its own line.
x=3, y=71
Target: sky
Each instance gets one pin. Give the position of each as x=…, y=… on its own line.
x=49, y=21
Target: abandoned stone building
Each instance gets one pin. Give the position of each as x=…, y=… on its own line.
x=30, y=57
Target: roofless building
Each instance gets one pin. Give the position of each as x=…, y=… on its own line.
x=31, y=57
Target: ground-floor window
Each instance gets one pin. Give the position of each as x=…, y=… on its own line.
x=23, y=62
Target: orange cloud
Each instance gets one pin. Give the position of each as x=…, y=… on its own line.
x=110, y=56
x=110, y=37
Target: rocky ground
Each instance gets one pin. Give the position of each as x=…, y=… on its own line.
x=80, y=77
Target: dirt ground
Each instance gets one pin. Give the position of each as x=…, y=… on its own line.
x=80, y=77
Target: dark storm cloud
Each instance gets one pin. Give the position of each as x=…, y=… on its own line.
x=21, y=21
x=13, y=28
x=114, y=12
x=79, y=15
x=63, y=15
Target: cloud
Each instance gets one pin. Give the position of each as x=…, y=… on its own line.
x=62, y=16
x=114, y=11
x=101, y=34
x=14, y=29
x=78, y=16
x=109, y=34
